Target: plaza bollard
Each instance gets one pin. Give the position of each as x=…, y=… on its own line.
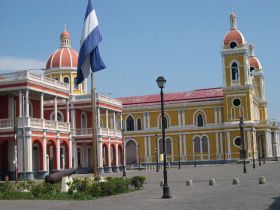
x=212, y=181
x=262, y=180
x=161, y=183
x=189, y=182
x=235, y=181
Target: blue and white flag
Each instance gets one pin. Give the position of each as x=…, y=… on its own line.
x=89, y=57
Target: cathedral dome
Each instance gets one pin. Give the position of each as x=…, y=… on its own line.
x=65, y=57
x=233, y=35
x=253, y=60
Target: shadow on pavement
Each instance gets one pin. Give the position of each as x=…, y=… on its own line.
x=275, y=205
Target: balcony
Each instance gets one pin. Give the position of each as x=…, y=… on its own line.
x=100, y=132
x=43, y=124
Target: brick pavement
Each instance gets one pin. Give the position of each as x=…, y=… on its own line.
x=223, y=196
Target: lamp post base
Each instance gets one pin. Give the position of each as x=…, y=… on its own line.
x=166, y=194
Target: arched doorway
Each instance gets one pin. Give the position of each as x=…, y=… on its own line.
x=105, y=155
x=51, y=156
x=130, y=149
x=113, y=155
x=37, y=156
x=3, y=159
x=120, y=155
x=64, y=156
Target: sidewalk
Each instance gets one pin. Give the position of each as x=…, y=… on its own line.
x=223, y=196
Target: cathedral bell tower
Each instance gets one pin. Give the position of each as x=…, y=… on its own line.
x=235, y=74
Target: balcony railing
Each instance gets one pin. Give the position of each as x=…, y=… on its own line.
x=20, y=75
x=100, y=131
x=6, y=123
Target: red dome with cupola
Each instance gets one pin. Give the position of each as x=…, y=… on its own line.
x=64, y=57
x=253, y=60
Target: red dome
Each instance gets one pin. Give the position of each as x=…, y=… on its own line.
x=65, y=35
x=234, y=35
x=63, y=58
x=254, y=61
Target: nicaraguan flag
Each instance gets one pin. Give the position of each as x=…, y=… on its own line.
x=89, y=57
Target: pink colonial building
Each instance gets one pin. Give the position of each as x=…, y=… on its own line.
x=45, y=121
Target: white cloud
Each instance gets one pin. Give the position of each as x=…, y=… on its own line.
x=9, y=64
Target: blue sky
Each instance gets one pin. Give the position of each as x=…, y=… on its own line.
x=179, y=39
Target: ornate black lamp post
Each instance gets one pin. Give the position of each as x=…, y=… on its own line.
x=156, y=152
x=161, y=84
x=243, y=150
x=124, y=168
x=179, y=160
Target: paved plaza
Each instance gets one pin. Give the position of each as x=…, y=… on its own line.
x=223, y=196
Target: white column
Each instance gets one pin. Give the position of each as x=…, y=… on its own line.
x=185, y=147
x=121, y=122
x=217, y=145
x=107, y=119
x=75, y=154
x=117, y=154
x=44, y=153
x=58, y=154
x=109, y=155
x=179, y=118
x=55, y=108
x=27, y=103
x=221, y=144
x=114, y=120
x=180, y=146
x=99, y=154
x=28, y=152
x=42, y=106
x=70, y=153
x=150, y=148
x=229, y=145
x=183, y=118
x=20, y=103
x=268, y=144
x=146, y=149
x=67, y=110
x=249, y=136
x=145, y=121
x=149, y=121
x=216, y=115
x=98, y=117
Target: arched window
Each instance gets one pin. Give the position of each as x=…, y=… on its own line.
x=165, y=122
x=130, y=124
x=196, y=144
x=168, y=146
x=59, y=116
x=56, y=78
x=199, y=120
x=83, y=120
x=204, y=144
x=66, y=80
x=234, y=71
x=139, y=124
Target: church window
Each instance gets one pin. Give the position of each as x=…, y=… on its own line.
x=236, y=102
x=130, y=124
x=83, y=120
x=139, y=124
x=165, y=122
x=237, y=142
x=196, y=145
x=234, y=71
x=66, y=80
x=204, y=142
x=199, y=120
x=233, y=45
x=252, y=69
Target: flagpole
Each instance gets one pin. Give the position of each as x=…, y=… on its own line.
x=94, y=140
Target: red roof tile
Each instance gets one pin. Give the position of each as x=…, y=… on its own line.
x=173, y=98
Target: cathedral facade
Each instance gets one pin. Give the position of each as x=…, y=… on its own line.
x=46, y=120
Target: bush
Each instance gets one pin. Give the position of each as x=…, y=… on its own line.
x=79, y=189
x=138, y=181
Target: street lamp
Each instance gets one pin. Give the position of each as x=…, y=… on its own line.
x=259, y=151
x=156, y=152
x=243, y=151
x=124, y=168
x=161, y=84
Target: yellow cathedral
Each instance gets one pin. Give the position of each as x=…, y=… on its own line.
x=203, y=125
